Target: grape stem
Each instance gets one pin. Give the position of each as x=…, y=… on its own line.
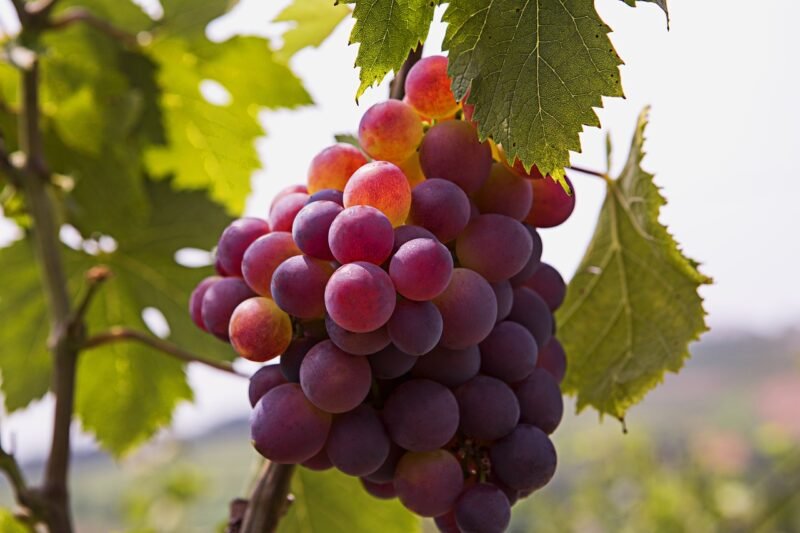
x=270, y=499
x=590, y=172
x=397, y=88
x=80, y=15
x=122, y=333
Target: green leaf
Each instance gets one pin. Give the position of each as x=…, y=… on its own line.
x=9, y=524
x=347, y=138
x=312, y=22
x=632, y=307
x=213, y=146
x=387, y=31
x=660, y=3
x=534, y=71
x=122, y=14
x=128, y=391
x=188, y=18
x=331, y=502
x=25, y=361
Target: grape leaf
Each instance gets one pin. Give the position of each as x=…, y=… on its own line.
x=213, y=146
x=534, y=71
x=25, y=361
x=188, y=19
x=312, y=22
x=128, y=391
x=387, y=31
x=632, y=307
x=660, y=3
x=331, y=502
x=9, y=523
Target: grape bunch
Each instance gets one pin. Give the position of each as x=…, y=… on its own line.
x=404, y=290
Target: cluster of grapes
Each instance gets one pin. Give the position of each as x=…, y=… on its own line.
x=412, y=313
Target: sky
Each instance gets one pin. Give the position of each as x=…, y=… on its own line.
x=723, y=84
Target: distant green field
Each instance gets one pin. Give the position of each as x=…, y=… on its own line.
x=712, y=449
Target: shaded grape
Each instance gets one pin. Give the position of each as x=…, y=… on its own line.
x=540, y=401
x=391, y=362
x=311, y=227
x=298, y=286
x=553, y=359
x=488, y=409
x=360, y=297
x=505, y=193
x=382, y=491
x=333, y=166
x=509, y=352
x=483, y=508
x=451, y=151
x=196, y=300
x=552, y=205
x=412, y=169
x=441, y=207
x=334, y=380
x=428, y=483
x=285, y=192
x=292, y=357
x=415, y=327
x=264, y=380
x=286, y=428
x=525, y=459
x=219, y=301
x=446, y=523
x=504, y=294
x=319, y=462
x=451, y=368
x=495, y=246
x=385, y=473
x=234, y=241
x=421, y=415
x=548, y=283
x=282, y=215
x=532, y=312
x=469, y=309
x=263, y=257
x=357, y=443
x=405, y=233
x=534, y=260
x=330, y=195
x=357, y=343
x=260, y=330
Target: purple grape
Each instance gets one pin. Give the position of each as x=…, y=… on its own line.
x=504, y=294
x=293, y=357
x=451, y=368
x=385, y=473
x=451, y=151
x=357, y=443
x=548, y=283
x=532, y=312
x=428, y=483
x=415, y=327
x=421, y=269
x=525, y=459
x=330, y=195
x=264, y=380
x=357, y=343
x=361, y=233
x=495, y=246
x=403, y=234
x=441, y=207
x=319, y=462
x=334, y=380
x=360, y=297
x=382, y=491
x=196, y=301
x=311, y=226
x=446, y=523
x=234, y=241
x=287, y=428
x=264, y=256
x=540, y=401
x=391, y=363
x=284, y=211
x=219, y=302
x=488, y=409
x=533, y=260
x=509, y=352
x=553, y=359
x=469, y=309
x=421, y=415
x=483, y=508
x=505, y=193
x=298, y=286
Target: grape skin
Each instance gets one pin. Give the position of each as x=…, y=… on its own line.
x=415, y=327
x=540, y=401
x=219, y=302
x=483, y=508
x=263, y=256
x=286, y=427
x=282, y=216
x=334, y=380
x=421, y=415
x=264, y=380
x=361, y=233
x=333, y=166
x=298, y=286
x=548, y=283
x=357, y=343
x=451, y=151
x=382, y=185
x=311, y=226
x=357, y=443
x=488, y=409
x=451, y=368
x=441, y=207
x=390, y=131
x=421, y=269
x=525, y=459
x=382, y=491
x=234, y=241
x=196, y=301
x=495, y=246
x=553, y=359
x=293, y=356
x=428, y=483
x=391, y=363
x=532, y=312
x=509, y=352
x=427, y=87
x=469, y=309
x=360, y=297
x=505, y=193
x=259, y=330
x=504, y=294
x=552, y=205
x=533, y=261
x=405, y=233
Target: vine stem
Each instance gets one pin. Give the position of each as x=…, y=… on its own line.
x=269, y=500
x=397, y=88
x=122, y=333
x=63, y=347
x=590, y=172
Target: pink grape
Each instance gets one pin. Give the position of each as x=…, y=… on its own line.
x=330, y=195
x=469, y=309
x=495, y=246
x=360, y=297
x=235, y=240
x=298, y=286
x=282, y=215
x=333, y=166
x=421, y=269
x=293, y=356
x=361, y=233
x=428, y=88
x=196, y=300
x=285, y=192
x=260, y=330
x=383, y=186
x=264, y=256
x=451, y=151
x=264, y=380
x=552, y=205
x=390, y=131
x=403, y=234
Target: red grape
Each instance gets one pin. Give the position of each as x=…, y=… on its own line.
x=505, y=193
x=282, y=216
x=259, y=330
x=333, y=166
x=334, y=380
x=552, y=205
x=235, y=240
x=219, y=301
x=383, y=186
x=264, y=256
x=421, y=415
x=428, y=88
x=415, y=327
x=196, y=300
x=390, y=131
x=361, y=233
x=421, y=269
x=360, y=297
x=495, y=246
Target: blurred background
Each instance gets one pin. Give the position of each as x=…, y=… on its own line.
x=715, y=448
